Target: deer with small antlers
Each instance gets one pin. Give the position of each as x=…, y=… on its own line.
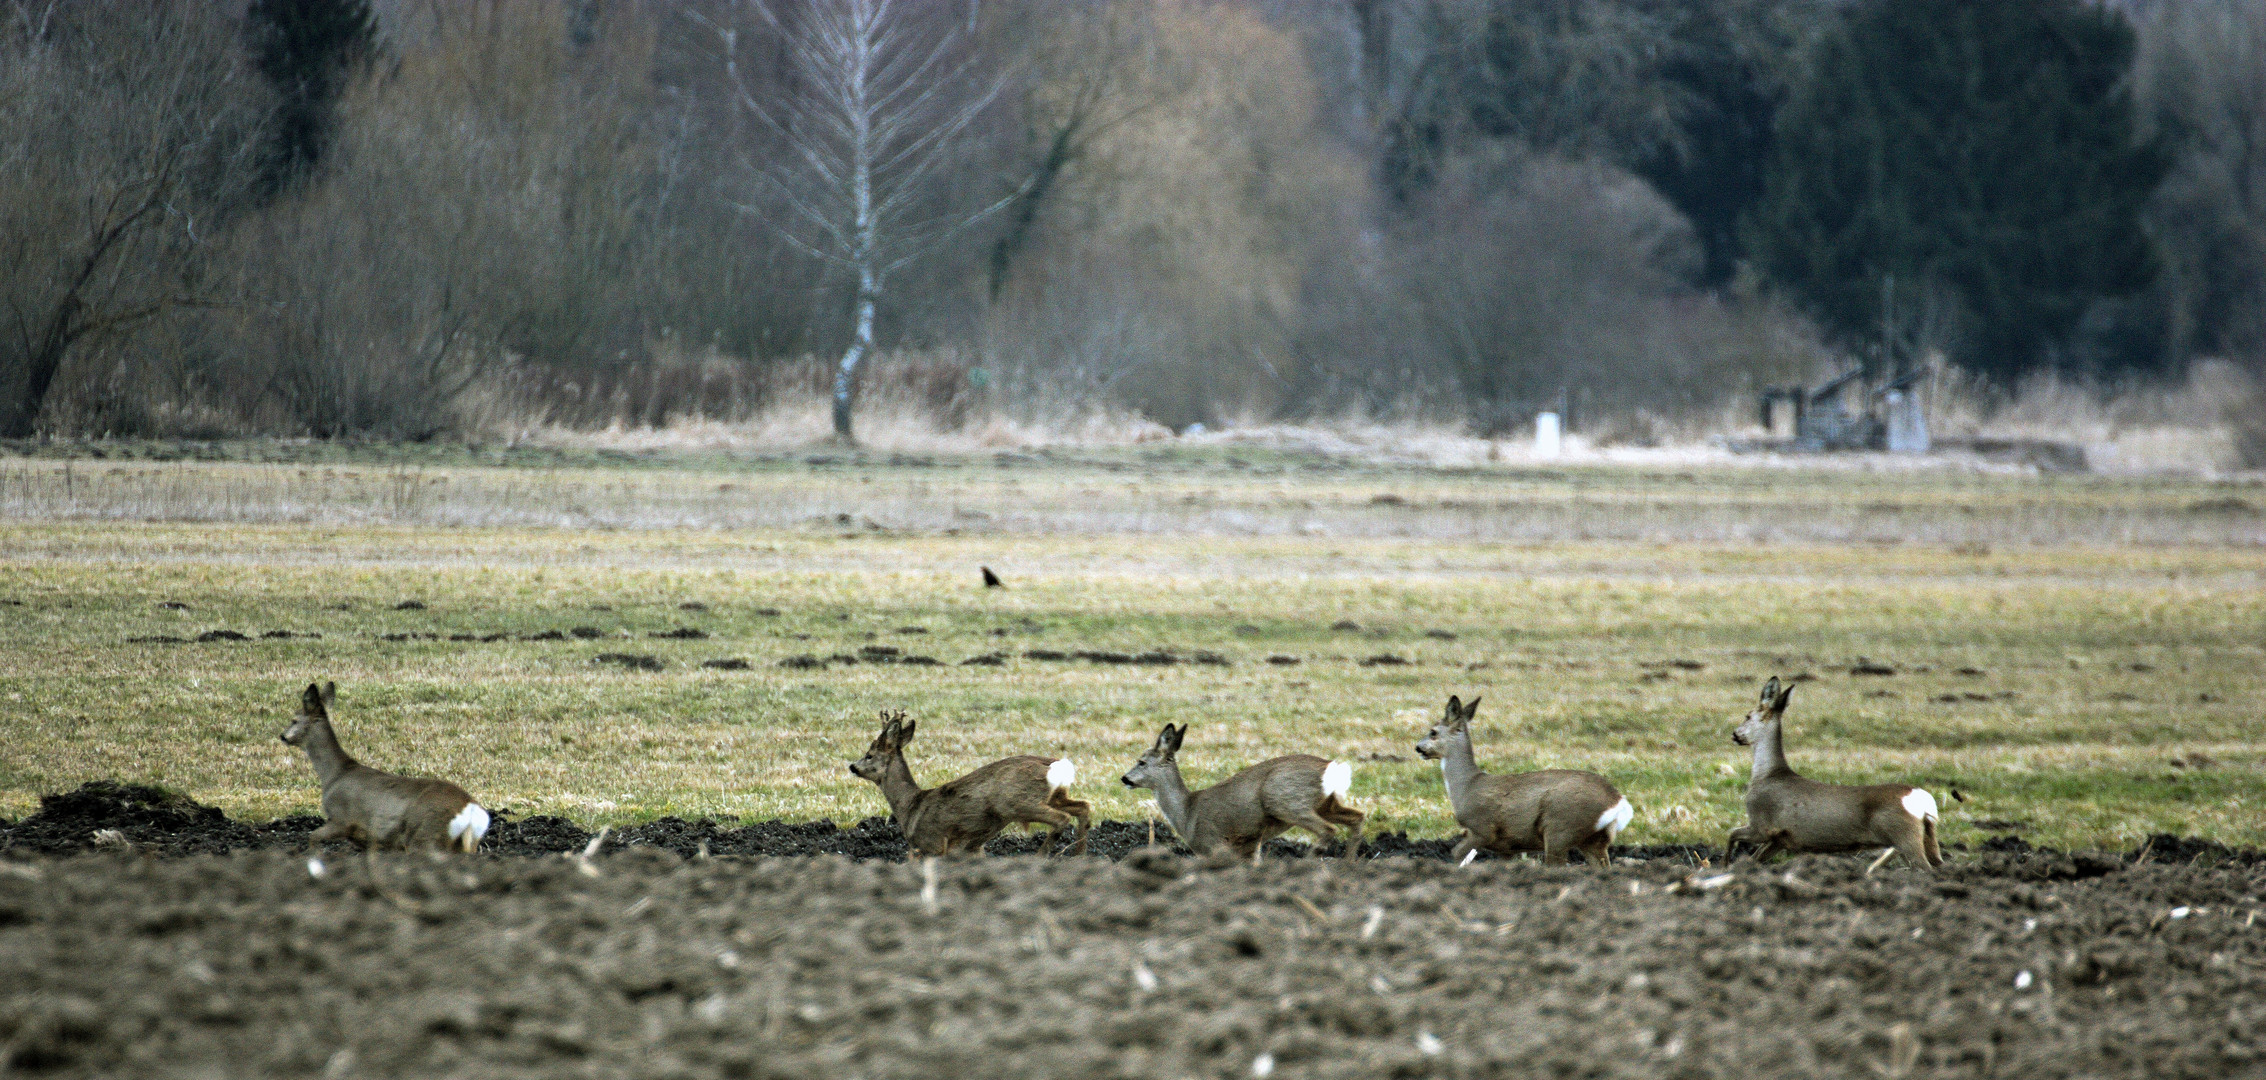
x=1552, y=811
x=378, y=809
x=1788, y=812
x=964, y=814
x=1253, y=806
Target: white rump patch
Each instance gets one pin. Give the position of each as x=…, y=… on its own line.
x=1921, y=805
x=1616, y=819
x=472, y=820
x=1337, y=779
x=1061, y=774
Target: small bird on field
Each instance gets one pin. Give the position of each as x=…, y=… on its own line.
x=991, y=580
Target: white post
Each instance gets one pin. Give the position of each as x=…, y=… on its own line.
x=1548, y=439
x=1907, y=423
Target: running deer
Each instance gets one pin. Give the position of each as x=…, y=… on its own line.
x=1253, y=806
x=378, y=809
x=965, y=814
x=1553, y=811
x=1786, y=812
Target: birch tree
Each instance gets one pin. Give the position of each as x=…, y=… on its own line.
x=873, y=107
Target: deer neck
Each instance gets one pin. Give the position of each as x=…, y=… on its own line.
x=1459, y=769
x=900, y=789
x=330, y=759
x=1173, y=799
x=1770, y=754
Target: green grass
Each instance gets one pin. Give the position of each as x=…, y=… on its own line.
x=2104, y=662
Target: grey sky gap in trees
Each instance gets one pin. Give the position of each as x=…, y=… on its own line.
x=876, y=101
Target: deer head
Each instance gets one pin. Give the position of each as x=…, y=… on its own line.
x=313, y=709
x=1145, y=772
x=1455, y=725
x=895, y=733
x=1766, y=713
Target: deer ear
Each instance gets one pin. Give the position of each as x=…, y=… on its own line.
x=1170, y=740
x=330, y=693
x=1770, y=691
x=905, y=734
x=1470, y=709
x=1455, y=705
x=1783, y=697
x=311, y=702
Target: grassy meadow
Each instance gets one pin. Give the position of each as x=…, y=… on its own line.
x=2078, y=656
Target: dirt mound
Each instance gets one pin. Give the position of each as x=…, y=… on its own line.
x=149, y=818
x=641, y=963
x=162, y=822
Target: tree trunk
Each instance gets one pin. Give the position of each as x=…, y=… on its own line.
x=861, y=343
x=40, y=366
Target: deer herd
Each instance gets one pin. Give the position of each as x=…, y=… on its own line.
x=1551, y=811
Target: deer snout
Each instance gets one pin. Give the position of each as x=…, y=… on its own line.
x=1127, y=780
x=1738, y=736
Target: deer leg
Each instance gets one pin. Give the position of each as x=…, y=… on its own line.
x=1323, y=831
x=1553, y=850
x=1085, y=815
x=1912, y=844
x=1928, y=843
x=1463, y=847
x=1598, y=850
x=1082, y=811
x=1340, y=814
x=1060, y=821
x=1742, y=835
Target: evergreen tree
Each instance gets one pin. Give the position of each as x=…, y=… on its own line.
x=1984, y=150
x=1726, y=64
x=305, y=48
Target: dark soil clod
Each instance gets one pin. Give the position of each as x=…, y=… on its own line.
x=158, y=639
x=1279, y=660
x=174, y=605
x=587, y=633
x=410, y=605
x=728, y=663
x=805, y=662
x=545, y=635
x=1384, y=660
x=986, y=660
x=210, y=636
x=692, y=605
x=1045, y=654
x=1439, y=635
x=682, y=633
x=633, y=661
x=1346, y=624
x=1868, y=667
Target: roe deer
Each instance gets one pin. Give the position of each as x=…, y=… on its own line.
x=966, y=813
x=378, y=809
x=1786, y=812
x=1552, y=811
x=1253, y=806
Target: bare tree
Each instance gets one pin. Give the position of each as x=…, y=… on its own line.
x=126, y=131
x=877, y=103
